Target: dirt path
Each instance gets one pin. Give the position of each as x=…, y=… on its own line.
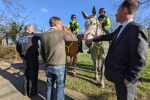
x=11, y=83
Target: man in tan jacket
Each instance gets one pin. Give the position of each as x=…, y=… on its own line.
x=53, y=54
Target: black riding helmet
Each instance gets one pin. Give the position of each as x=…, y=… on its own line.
x=73, y=16
x=102, y=9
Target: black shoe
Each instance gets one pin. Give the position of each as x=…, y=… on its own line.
x=38, y=91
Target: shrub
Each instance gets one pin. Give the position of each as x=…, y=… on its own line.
x=8, y=52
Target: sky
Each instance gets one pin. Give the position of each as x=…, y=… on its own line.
x=43, y=10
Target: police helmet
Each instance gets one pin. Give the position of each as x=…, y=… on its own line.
x=102, y=9
x=73, y=16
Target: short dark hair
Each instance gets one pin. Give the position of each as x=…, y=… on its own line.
x=53, y=20
x=131, y=5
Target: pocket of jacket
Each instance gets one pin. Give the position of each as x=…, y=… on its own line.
x=118, y=73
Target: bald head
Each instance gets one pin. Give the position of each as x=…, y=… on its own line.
x=29, y=29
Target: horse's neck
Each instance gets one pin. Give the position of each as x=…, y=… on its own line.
x=99, y=33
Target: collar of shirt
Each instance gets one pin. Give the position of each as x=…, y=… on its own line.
x=124, y=25
x=54, y=27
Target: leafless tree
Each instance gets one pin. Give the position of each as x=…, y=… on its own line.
x=12, y=8
x=12, y=12
x=141, y=16
x=113, y=22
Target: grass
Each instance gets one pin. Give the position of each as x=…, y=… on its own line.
x=84, y=81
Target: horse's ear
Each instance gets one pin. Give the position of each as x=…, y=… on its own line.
x=94, y=11
x=84, y=15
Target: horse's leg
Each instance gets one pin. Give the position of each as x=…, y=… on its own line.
x=70, y=61
x=66, y=65
x=102, y=84
x=96, y=71
x=74, y=64
x=95, y=65
x=99, y=64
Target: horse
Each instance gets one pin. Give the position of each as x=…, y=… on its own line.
x=98, y=50
x=71, y=49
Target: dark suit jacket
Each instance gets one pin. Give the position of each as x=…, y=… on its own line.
x=127, y=56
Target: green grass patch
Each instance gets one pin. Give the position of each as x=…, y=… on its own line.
x=84, y=81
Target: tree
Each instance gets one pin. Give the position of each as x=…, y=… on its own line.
x=4, y=30
x=142, y=16
x=15, y=29
x=9, y=16
x=113, y=22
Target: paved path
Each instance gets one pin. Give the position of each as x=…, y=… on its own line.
x=11, y=83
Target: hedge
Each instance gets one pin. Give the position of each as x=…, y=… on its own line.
x=8, y=52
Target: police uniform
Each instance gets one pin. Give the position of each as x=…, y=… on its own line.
x=105, y=23
x=27, y=47
x=74, y=26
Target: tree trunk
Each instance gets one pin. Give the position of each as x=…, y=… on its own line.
x=6, y=40
x=0, y=42
x=13, y=43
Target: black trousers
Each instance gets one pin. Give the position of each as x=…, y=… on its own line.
x=30, y=76
x=125, y=93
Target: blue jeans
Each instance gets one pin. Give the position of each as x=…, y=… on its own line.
x=57, y=73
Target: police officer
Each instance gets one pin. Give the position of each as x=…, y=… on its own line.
x=104, y=22
x=27, y=47
x=74, y=27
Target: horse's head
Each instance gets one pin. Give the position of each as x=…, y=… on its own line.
x=93, y=23
x=65, y=28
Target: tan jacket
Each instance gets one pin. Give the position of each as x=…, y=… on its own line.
x=53, y=45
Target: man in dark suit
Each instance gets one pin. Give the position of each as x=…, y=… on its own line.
x=128, y=53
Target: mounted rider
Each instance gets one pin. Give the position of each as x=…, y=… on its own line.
x=104, y=21
x=74, y=27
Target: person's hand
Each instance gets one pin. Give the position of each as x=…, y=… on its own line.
x=88, y=30
x=74, y=32
x=126, y=83
x=88, y=41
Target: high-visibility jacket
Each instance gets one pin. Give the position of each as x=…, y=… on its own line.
x=73, y=26
x=105, y=22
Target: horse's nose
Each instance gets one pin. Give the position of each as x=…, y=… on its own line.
x=89, y=45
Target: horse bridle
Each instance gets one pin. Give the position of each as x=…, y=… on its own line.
x=96, y=26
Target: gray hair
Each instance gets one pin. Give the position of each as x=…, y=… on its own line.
x=53, y=20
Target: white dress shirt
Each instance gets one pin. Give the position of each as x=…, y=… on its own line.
x=54, y=27
x=124, y=25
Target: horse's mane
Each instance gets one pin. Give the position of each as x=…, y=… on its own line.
x=65, y=28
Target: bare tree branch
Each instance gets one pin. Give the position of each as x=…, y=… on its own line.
x=141, y=16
